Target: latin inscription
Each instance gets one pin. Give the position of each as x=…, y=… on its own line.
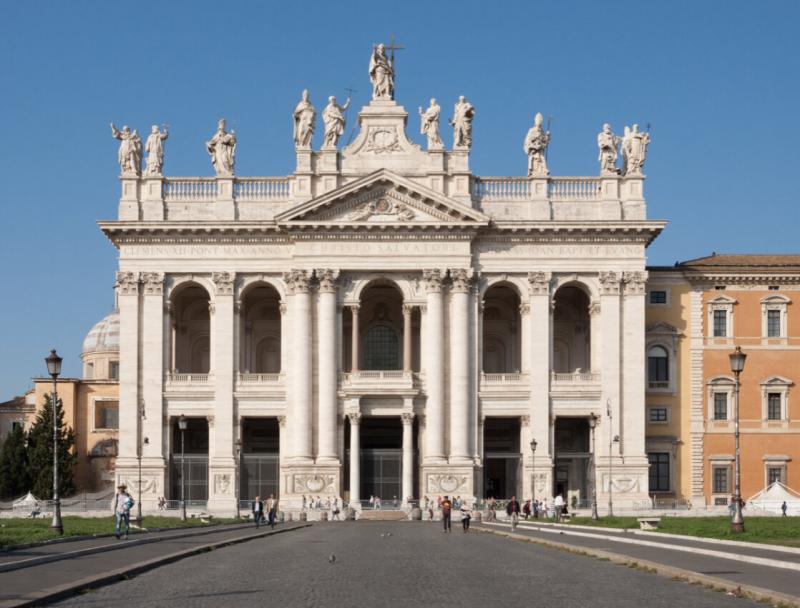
x=205, y=251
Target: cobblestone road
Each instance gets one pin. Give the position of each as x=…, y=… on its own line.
x=417, y=565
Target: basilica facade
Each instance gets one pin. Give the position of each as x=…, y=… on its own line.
x=382, y=321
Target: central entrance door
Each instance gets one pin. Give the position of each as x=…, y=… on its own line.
x=572, y=460
x=381, y=458
x=260, y=462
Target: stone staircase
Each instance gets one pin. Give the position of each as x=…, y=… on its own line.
x=383, y=515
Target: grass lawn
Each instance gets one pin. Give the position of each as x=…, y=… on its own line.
x=772, y=530
x=19, y=531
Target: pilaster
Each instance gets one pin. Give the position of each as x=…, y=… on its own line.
x=539, y=346
x=153, y=368
x=129, y=395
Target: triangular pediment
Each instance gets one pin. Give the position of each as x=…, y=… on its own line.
x=382, y=198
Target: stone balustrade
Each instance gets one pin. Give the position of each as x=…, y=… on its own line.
x=186, y=378
x=574, y=188
x=190, y=189
x=572, y=377
x=254, y=189
x=252, y=378
x=246, y=189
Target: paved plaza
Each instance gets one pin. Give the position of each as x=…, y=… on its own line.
x=415, y=565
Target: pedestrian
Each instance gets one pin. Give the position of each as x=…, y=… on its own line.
x=559, y=506
x=535, y=509
x=123, y=504
x=335, y=510
x=784, y=508
x=512, y=510
x=465, y=517
x=447, y=507
x=372, y=501
x=526, y=509
x=272, y=510
x=378, y=503
x=732, y=506
x=257, y=507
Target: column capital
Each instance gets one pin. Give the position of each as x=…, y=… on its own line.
x=525, y=420
x=433, y=278
x=461, y=280
x=354, y=417
x=609, y=283
x=223, y=283
x=354, y=307
x=282, y=421
x=127, y=283
x=212, y=307
x=153, y=283
x=539, y=283
x=298, y=281
x=283, y=308
x=594, y=308
x=634, y=282
x=408, y=309
x=407, y=417
x=327, y=278
x=525, y=308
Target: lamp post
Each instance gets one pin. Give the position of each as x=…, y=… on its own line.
x=54, y=369
x=145, y=441
x=238, y=474
x=592, y=424
x=533, y=475
x=737, y=358
x=182, y=423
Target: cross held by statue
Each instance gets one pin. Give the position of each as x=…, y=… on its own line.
x=392, y=47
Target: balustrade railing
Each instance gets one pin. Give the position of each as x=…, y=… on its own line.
x=502, y=188
x=179, y=377
x=575, y=376
x=574, y=188
x=190, y=189
x=503, y=377
x=374, y=374
x=247, y=377
x=261, y=188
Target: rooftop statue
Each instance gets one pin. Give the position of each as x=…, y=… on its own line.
x=536, y=142
x=634, y=150
x=130, y=150
x=430, y=125
x=304, y=118
x=333, y=117
x=222, y=149
x=463, y=114
x=608, y=144
x=155, y=150
x=381, y=73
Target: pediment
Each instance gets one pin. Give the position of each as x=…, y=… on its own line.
x=380, y=199
x=662, y=328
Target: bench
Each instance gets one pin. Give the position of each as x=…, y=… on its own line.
x=648, y=523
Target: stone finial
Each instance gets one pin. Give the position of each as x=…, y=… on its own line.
x=223, y=282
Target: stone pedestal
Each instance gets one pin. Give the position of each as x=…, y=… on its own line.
x=224, y=206
x=152, y=198
x=129, y=199
x=221, y=489
x=449, y=480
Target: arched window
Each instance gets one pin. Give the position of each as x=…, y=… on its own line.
x=658, y=367
x=381, y=348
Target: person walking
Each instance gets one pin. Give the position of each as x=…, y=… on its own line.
x=123, y=503
x=465, y=517
x=257, y=507
x=784, y=508
x=512, y=510
x=536, y=509
x=559, y=506
x=447, y=507
x=272, y=510
x=526, y=509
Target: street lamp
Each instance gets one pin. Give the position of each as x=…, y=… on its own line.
x=533, y=476
x=182, y=423
x=145, y=441
x=737, y=358
x=54, y=369
x=592, y=424
x=238, y=445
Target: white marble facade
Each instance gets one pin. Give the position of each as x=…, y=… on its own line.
x=507, y=303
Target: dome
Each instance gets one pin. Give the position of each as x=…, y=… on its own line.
x=104, y=336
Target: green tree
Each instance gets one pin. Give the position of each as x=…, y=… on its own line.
x=40, y=453
x=14, y=478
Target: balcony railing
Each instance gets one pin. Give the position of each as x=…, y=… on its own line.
x=376, y=374
x=575, y=377
x=658, y=384
x=261, y=188
x=246, y=189
x=574, y=188
x=519, y=188
x=185, y=378
x=503, y=377
x=190, y=189
x=248, y=378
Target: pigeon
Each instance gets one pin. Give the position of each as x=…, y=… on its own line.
x=331, y=558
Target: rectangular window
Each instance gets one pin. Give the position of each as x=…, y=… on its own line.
x=720, y=406
x=106, y=415
x=15, y=425
x=721, y=480
x=658, y=414
x=659, y=471
x=720, y=323
x=774, y=474
x=774, y=409
x=113, y=370
x=773, y=323
x=658, y=297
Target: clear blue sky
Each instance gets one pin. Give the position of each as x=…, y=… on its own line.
x=717, y=80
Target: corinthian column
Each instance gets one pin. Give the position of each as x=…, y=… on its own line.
x=355, y=458
x=539, y=345
x=407, y=310
x=459, y=366
x=354, y=339
x=327, y=365
x=300, y=371
x=434, y=372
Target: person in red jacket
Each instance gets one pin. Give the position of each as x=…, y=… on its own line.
x=447, y=508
